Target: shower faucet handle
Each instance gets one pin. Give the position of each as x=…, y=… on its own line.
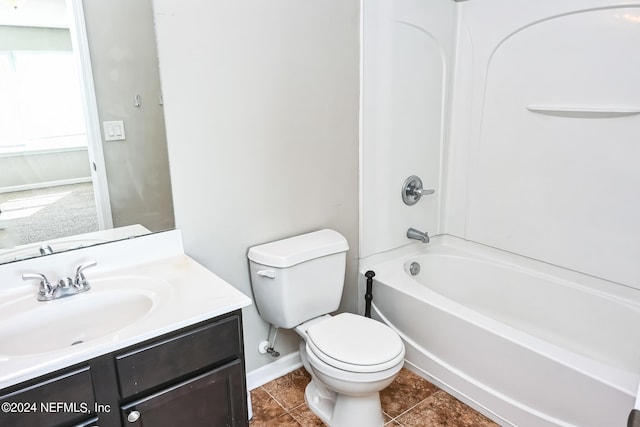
x=422, y=192
x=412, y=190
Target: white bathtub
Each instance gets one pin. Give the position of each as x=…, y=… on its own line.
x=524, y=342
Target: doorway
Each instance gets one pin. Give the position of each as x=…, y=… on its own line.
x=50, y=141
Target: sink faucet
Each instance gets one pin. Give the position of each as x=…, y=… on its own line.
x=46, y=249
x=65, y=286
x=423, y=236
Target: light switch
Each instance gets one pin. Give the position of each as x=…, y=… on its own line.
x=114, y=130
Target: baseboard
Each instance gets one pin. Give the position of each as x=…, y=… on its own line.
x=273, y=370
x=38, y=185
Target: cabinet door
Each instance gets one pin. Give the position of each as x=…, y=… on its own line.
x=216, y=398
x=62, y=400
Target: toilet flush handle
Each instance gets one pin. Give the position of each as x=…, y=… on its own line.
x=267, y=273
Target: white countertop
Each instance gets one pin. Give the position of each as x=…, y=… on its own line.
x=184, y=293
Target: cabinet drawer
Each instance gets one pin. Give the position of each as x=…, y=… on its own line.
x=176, y=356
x=214, y=398
x=61, y=400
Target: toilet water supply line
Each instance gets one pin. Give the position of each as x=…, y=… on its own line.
x=270, y=344
x=368, y=296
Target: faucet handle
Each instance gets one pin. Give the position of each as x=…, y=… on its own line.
x=80, y=281
x=422, y=192
x=412, y=190
x=46, y=289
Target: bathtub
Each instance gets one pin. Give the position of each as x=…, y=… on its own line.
x=524, y=342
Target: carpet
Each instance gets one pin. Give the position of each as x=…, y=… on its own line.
x=48, y=213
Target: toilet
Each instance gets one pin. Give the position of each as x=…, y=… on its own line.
x=296, y=283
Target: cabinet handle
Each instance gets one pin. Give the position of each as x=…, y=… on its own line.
x=133, y=416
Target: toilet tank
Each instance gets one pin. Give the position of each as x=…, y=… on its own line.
x=299, y=278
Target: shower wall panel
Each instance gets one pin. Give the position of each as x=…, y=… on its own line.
x=544, y=151
x=407, y=51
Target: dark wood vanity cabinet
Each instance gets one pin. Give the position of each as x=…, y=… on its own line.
x=190, y=403
x=63, y=399
x=191, y=377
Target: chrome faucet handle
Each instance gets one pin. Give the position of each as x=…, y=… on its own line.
x=412, y=190
x=80, y=281
x=46, y=289
x=422, y=192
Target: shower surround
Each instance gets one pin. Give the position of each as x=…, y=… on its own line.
x=524, y=117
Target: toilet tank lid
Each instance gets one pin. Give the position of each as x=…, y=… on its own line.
x=294, y=250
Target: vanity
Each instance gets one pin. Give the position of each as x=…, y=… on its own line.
x=156, y=341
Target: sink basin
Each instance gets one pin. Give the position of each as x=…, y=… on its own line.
x=31, y=327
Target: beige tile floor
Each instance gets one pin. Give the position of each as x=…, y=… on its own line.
x=408, y=401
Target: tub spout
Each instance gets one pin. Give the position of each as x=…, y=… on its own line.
x=412, y=233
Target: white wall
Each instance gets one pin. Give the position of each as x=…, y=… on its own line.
x=407, y=60
x=561, y=187
x=23, y=171
x=261, y=103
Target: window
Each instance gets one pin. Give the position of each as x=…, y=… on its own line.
x=40, y=102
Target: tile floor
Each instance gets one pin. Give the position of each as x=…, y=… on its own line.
x=408, y=401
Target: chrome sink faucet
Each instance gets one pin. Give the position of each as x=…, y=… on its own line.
x=46, y=249
x=423, y=236
x=65, y=286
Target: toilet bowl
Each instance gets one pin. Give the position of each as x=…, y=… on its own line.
x=351, y=359
x=296, y=282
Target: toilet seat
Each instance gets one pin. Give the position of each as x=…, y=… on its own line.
x=355, y=343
